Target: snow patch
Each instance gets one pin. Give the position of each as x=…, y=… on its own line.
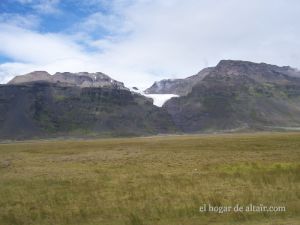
x=158, y=99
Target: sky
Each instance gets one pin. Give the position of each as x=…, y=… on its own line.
x=142, y=41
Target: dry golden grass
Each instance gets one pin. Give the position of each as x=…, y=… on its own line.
x=150, y=181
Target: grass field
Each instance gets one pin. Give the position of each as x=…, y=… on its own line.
x=151, y=181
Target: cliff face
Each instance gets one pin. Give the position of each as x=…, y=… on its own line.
x=42, y=105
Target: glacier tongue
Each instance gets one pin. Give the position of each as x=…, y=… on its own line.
x=158, y=99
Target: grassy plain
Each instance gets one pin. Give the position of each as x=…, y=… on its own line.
x=150, y=181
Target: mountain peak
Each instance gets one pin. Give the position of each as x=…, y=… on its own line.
x=35, y=76
x=81, y=79
x=231, y=64
x=260, y=72
x=39, y=72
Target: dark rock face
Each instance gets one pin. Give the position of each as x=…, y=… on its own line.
x=177, y=86
x=238, y=94
x=49, y=110
x=82, y=79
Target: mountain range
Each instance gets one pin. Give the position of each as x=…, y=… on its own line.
x=233, y=95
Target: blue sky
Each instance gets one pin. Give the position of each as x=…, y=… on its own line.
x=140, y=41
x=56, y=16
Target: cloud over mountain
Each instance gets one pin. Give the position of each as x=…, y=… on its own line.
x=141, y=41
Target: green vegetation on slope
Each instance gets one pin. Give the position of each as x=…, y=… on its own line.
x=150, y=181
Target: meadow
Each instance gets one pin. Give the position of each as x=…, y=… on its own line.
x=150, y=180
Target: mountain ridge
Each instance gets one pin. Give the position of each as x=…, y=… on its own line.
x=233, y=95
x=184, y=85
x=81, y=79
x=239, y=94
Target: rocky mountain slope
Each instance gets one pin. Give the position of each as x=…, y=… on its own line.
x=184, y=86
x=82, y=79
x=177, y=86
x=237, y=95
x=38, y=105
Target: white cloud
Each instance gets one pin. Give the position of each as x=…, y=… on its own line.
x=150, y=40
x=10, y=70
x=25, y=21
x=43, y=6
x=180, y=37
x=28, y=46
x=56, y=52
x=99, y=21
x=47, y=6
